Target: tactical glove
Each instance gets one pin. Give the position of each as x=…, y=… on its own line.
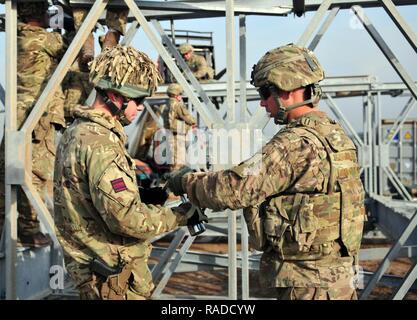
x=194, y=217
x=184, y=209
x=175, y=180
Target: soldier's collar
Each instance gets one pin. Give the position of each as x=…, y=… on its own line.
x=100, y=118
x=310, y=119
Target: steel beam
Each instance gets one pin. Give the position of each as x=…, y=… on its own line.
x=397, y=183
x=393, y=216
x=392, y=59
x=172, y=266
x=390, y=256
x=230, y=61
x=260, y=7
x=245, y=257
x=407, y=283
x=401, y=119
x=167, y=255
x=213, y=114
x=10, y=223
x=402, y=25
x=2, y=95
x=241, y=7
x=212, y=260
x=62, y=68
x=157, y=120
x=312, y=26
x=242, y=62
x=326, y=24
x=207, y=118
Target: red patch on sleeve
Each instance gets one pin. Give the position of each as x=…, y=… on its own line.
x=118, y=185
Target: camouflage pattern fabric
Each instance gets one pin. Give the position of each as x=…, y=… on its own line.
x=199, y=67
x=178, y=120
x=318, y=293
x=98, y=210
x=38, y=54
x=301, y=249
x=76, y=87
x=185, y=48
x=288, y=68
x=147, y=133
x=174, y=89
x=76, y=84
x=115, y=19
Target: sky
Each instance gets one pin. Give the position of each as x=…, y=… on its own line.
x=345, y=50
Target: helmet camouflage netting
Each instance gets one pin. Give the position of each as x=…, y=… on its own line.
x=126, y=71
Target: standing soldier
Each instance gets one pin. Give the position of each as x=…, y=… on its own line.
x=303, y=195
x=38, y=54
x=101, y=222
x=116, y=20
x=76, y=86
x=178, y=120
x=198, y=65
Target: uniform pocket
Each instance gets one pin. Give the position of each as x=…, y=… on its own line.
x=306, y=223
x=353, y=215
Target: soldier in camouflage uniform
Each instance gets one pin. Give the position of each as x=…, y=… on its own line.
x=178, y=120
x=197, y=64
x=102, y=224
x=116, y=20
x=38, y=54
x=76, y=86
x=302, y=195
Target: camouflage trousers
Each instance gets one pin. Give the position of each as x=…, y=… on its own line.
x=332, y=277
x=315, y=294
x=115, y=19
x=43, y=157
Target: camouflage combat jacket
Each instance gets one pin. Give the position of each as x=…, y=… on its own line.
x=199, y=67
x=98, y=210
x=177, y=118
x=303, y=202
x=39, y=52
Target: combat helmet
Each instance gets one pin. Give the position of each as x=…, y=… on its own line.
x=185, y=48
x=31, y=9
x=174, y=89
x=288, y=68
x=126, y=71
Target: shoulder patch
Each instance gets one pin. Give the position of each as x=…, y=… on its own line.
x=118, y=185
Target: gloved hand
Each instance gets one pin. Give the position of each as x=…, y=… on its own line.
x=191, y=216
x=198, y=217
x=185, y=210
x=175, y=180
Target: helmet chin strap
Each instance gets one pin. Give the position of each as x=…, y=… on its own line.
x=114, y=110
x=282, y=116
